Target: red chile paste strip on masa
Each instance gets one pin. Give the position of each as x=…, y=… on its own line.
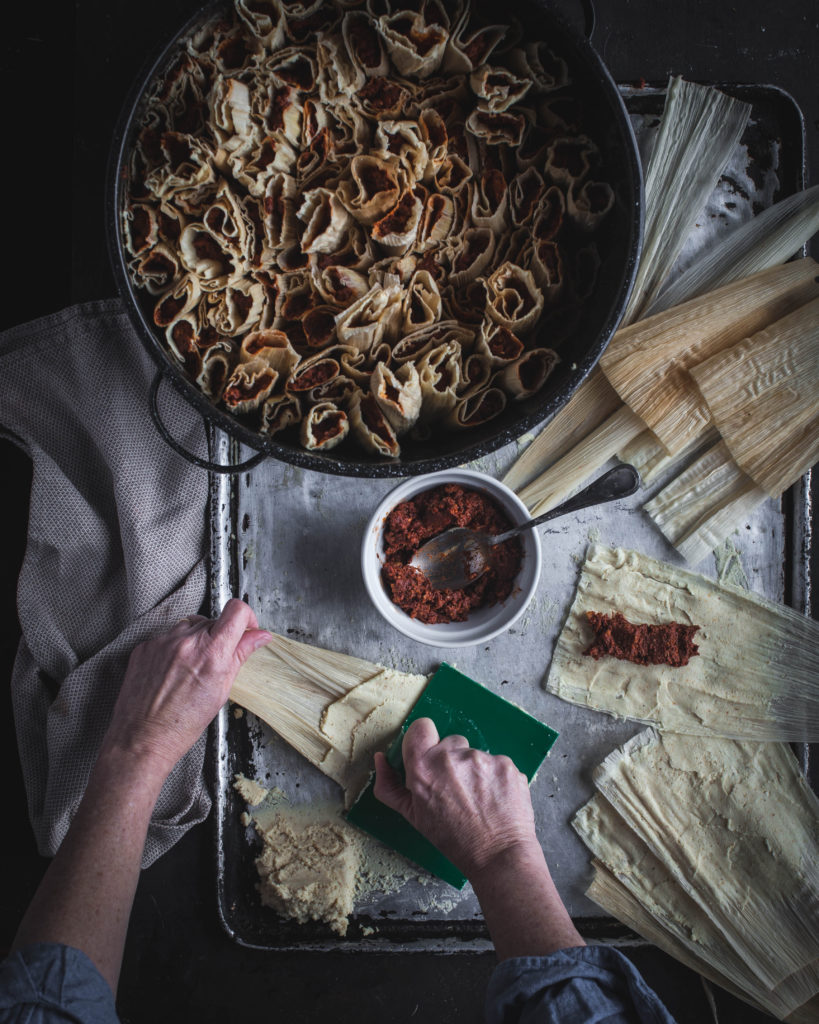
x=413, y=522
x=671, y=643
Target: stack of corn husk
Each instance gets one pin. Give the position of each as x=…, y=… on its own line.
x=646, y=403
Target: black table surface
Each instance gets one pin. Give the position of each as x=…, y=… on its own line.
x=66, y=69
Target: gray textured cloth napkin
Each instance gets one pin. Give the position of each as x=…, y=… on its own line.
x=115, y=551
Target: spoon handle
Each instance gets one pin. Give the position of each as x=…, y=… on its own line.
x=619, y=482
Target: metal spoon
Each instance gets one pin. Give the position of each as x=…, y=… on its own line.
x=458, y=556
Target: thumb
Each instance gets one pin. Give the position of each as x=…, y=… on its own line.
x=389, y=788
x=251, y=640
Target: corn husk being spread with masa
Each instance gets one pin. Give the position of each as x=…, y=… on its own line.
x=334, y=709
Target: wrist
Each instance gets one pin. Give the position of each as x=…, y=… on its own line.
x=522, y=857
x=128, y=767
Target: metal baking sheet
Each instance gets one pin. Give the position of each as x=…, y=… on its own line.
x=288, y=541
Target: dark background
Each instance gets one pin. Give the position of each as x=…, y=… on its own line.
x=65, y=72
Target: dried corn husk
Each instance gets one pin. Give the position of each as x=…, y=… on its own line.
x=634, y=885
x=698, y=509
x=652, y=461
x=648, y=363
x=699, y=129
x=588, y=407
x=756, y=676
x=569, y=472
x=733, y=825
x=763, y=395
x=334, y=709
x=766, y=240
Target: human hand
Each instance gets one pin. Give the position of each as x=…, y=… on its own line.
x=175, y=684
x=473, y=806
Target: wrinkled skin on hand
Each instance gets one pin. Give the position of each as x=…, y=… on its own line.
x=175, y=684
x=475, y=807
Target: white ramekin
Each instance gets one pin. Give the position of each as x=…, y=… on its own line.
x=484, y=623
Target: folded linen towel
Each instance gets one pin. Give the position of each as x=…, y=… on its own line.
x=115, y=551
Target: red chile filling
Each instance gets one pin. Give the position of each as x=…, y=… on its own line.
x=215, y=219
x=671, y=643
x=422, y=41
x=530, y=191
x=177, y=147
x=550, y=221
x=242, y=303
x=331, y=424
x=319, y=326
x=431, y=265
x=208, y=337
x=318, y=373
x=397, y=220
x=374, y=420
x=151, y=142
x=475, y=245
x=414, y=522
x=494, y=187
x=158, y=266
x=232, y=52
x=456, y=174
x=526, y=300
x=417, y=310
x=245, y=392
x=374, y=179
x=297, y=72
x=168, y=309
x=279, y=102
x=506, y=123
x=381, y=94
x=490, y=404
x=365, y=43
x=436, y=131
x=183, y=333
x=301, y=28
x=169, y=227
x=206, y=248
x=531, y=371
x=343, y=293
x=571, y=156
x=550, y=258
x=140, y=227
x=477, y=48
x=267, y=153
x=504, y=344
x=296, y=305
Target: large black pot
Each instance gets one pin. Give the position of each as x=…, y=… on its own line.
x=619, y=244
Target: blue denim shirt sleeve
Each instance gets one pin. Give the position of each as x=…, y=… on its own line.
x=48, y=983
x=582, y=985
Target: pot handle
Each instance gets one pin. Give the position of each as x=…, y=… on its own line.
x=590, y=18
x=213, y=467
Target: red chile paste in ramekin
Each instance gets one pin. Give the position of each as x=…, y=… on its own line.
x=414, y=522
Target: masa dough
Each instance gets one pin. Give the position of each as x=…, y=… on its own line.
x=314, y=866
x=755, y=676
x=364, y=721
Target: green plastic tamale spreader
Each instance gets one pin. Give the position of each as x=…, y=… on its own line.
x=458, y=706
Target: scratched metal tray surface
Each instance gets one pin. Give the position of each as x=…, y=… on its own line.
x=287, y=540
